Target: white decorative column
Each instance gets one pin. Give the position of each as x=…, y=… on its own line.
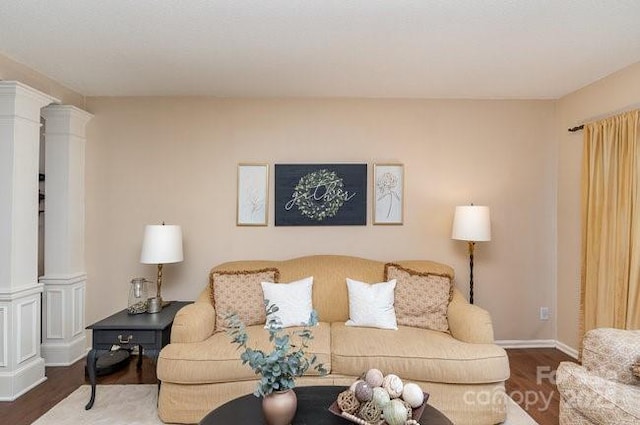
x=21, y=365
x=63, y=335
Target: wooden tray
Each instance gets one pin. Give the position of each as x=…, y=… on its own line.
x=417, y=412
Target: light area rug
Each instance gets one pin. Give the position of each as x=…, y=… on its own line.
x=136, y=405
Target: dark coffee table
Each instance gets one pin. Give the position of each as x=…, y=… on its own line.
x=313, y=404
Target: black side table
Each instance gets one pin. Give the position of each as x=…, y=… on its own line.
x=149, y=332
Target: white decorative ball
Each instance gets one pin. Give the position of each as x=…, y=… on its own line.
x=393, y=384
x=380, y=397
x=374, y=378
x=412, y=394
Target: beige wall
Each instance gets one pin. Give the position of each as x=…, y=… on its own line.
x=11, y=70
x=153, y=159
x=614, y=93
x=175, y=159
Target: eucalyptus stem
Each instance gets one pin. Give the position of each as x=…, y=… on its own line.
x=278, y=368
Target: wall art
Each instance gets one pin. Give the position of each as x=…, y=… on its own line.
x=388, y=193
x=253, y=194
x=320, y=194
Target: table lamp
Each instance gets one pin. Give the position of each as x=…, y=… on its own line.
x=471, y=223
x=162, y=244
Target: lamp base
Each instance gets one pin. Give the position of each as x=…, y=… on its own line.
x=155, y=305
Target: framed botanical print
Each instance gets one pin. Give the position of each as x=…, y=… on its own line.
x=253, y=194
x=388, y=193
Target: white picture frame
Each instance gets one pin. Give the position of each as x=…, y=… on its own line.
x=253, y=194
x=388, y=194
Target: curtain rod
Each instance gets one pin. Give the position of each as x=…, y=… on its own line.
x=628, y=108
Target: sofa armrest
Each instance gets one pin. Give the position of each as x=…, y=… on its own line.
x=193, y=323
x=468, y=322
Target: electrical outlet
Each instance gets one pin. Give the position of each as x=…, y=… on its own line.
x=544, y=313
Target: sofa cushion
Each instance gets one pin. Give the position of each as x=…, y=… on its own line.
x=218, y=360
x=239, y=291
x=416, y=354
x=421, y=298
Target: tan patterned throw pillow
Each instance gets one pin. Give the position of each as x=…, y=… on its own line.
x=421, y=299
x=240, y=292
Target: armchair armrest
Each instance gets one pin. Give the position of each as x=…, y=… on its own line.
x=468, y=322
x=609, y=353
x=193, y=323
x=600, y=400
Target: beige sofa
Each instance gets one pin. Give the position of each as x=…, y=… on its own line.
x=603, y=389
x=463, y=370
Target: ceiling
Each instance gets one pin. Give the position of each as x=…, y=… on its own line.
x=536, y=49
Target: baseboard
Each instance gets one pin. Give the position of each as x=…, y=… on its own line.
x=64, y=354
x=572, y=352
x=538, y=343
x=527, y=343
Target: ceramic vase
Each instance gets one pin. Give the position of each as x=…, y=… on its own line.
x=279, y=407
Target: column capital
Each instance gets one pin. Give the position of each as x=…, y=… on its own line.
x=17, y=99
x=65, y=119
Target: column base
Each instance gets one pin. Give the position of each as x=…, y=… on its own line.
x=16, y=383
x=63, y=334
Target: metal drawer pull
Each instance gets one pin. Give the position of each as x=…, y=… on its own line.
x=122, y=341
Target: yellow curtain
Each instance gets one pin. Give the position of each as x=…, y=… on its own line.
x=610, y=295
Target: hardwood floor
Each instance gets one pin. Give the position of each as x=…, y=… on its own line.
x=62, y=381
x=532, y=382
x=531, y=385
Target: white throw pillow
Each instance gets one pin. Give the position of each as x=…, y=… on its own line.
x=293, y=300
x=371, y=305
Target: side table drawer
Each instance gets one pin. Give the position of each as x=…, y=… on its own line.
x=123, y=337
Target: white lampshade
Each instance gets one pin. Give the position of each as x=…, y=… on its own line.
x=472, y=223
x=162, y=244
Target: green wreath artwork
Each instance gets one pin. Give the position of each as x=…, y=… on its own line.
x=319, y=194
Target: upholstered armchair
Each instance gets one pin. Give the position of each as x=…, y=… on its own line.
x=603, y=390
